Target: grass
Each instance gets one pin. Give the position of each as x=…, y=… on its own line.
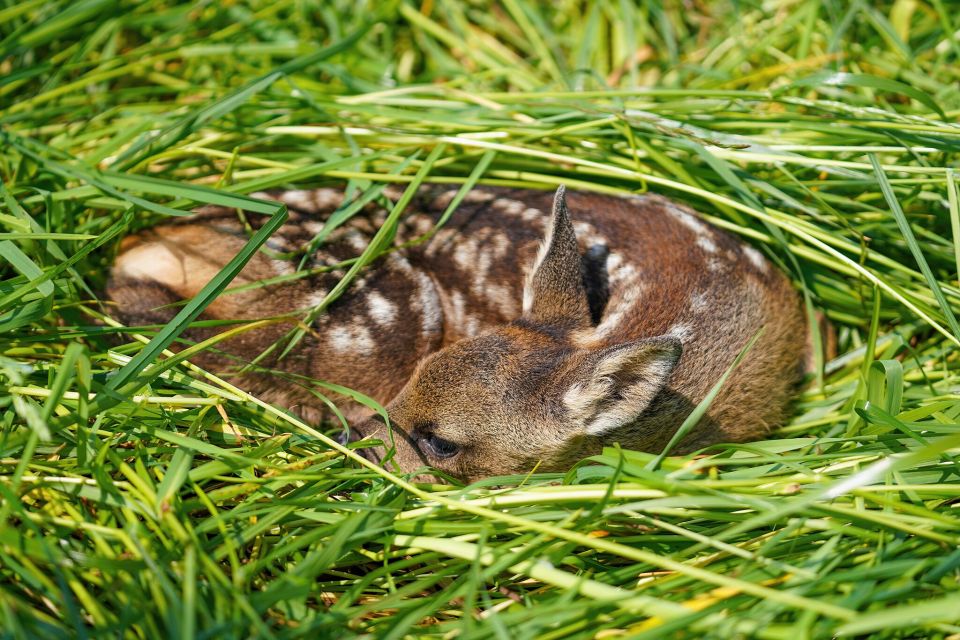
x=142, y=497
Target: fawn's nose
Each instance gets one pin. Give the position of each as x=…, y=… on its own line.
x=355, y=433
x=348, y=435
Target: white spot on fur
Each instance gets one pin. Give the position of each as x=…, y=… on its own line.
x=502, y=297
x=356, y=241
x=420, y=224
x=277, y=244
x=399, y=263
x=439, y=241
x=614, y=260
x=431, y=315
x=340, y=339
x=312, y=227
x=313, y=200
x=472, y=326
x=382, y=311
x=481, y=270
x=625, y=274
x=444, y=199
x=617, y=311
x=756, y=258
x=500, y=245
x=512, y=207
x=707, y=244
x=281, y=267
x=704, y=235
x=531, y=215
x=465, y=255
x=316, y=298
x=595, y=239
x=151, y=262
x=689, y=220
x=478, y=196
x=458, y=306
x=588, y=234
x=327, y=198
x=475, y=197
x=354, y=338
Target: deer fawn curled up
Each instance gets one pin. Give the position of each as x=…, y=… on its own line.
x=525, y=333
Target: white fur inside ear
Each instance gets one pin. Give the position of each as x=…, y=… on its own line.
x=620, y=385
x=578, y=400
x=541, y=256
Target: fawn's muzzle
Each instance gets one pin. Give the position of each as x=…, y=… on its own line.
x=368, y=428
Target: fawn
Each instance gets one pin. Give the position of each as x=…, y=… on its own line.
x=521, y=335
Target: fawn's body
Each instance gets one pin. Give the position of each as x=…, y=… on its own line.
x=501, y=340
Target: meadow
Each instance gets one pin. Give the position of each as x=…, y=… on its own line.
x=143, y=497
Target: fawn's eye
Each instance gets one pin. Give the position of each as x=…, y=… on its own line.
x=437, y=447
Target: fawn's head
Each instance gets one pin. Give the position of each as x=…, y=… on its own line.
x=526, y=393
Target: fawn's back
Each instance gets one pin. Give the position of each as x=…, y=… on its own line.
x=518, y=335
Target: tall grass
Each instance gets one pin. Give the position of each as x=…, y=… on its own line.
x=142, y=497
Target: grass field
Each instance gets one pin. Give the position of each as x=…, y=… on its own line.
x=141, y=497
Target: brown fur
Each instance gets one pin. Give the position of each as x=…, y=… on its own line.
x=477, y=341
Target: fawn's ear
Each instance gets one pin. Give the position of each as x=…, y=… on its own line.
x=613, y=386
x=554, y=292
